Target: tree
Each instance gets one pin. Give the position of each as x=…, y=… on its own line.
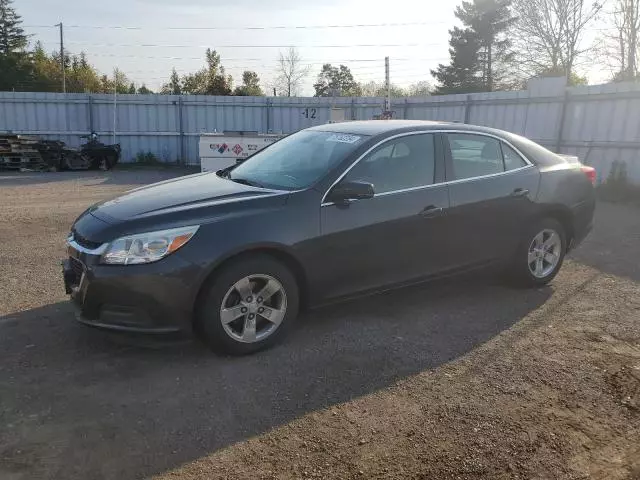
x=549, y=34
x=250, y=85
x=481, y=52
x=420, y=89
x=46, y=75
x=217, y=82
x=120, y=83
x=143, y=90
x=81, y=77
x=621, y=48
x=15, y=67
x=490, y=20
x=195, y=83
x=336, y=81
x=463, y=74
x=379, y=89
x=210, y=80
x=174, y=86
x=12, y=36
x=290, y=73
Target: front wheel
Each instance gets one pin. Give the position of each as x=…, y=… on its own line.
x=247, y=306
x=541, y=253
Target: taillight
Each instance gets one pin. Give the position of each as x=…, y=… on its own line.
x=590, y=172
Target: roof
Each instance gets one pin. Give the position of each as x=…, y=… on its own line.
x=375, y=127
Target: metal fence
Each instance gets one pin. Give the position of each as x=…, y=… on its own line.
x=600, y=124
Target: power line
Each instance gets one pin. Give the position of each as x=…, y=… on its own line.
x=354, y=71
x=155, y=45
x=315, y=61
x=274, y=27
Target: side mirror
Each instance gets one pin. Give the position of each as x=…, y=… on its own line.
x=345, y=191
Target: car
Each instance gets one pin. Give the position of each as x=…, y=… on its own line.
x=324, y=214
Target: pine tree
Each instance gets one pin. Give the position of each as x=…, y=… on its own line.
x=481, y=52
x=462, y=74
x=15, y=68
x=174, y=86
x=12, y=36
x=490, y=20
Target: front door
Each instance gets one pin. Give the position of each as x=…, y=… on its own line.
x=397, y=235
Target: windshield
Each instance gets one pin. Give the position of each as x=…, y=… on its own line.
x=296, y=161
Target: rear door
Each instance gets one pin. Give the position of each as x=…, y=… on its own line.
x=492, y=188
x=398, y=234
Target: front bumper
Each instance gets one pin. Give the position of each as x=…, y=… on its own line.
x=153, y=298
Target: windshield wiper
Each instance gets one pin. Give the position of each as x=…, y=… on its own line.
x=244, y=181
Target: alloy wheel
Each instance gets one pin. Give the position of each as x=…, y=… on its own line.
x=544, y=253
x=253, y=308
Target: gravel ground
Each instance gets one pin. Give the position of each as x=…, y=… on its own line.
x=463, y=379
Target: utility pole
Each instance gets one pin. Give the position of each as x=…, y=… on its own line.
x=64, y=79
x=387, y=82
x=115, y=101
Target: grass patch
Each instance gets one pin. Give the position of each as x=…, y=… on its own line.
x=146, y=158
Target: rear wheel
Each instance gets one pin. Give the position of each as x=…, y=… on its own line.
x=248, y=306
x=541, y=253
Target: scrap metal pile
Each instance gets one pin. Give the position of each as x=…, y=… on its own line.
x=27, y=153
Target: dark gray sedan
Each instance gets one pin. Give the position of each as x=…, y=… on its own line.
x=325, y=213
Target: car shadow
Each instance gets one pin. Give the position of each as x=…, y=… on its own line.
x=77, y=404
x=613, y=245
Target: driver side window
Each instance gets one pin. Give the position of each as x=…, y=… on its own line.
x=398, y=164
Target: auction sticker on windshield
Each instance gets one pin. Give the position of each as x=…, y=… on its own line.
x=343, y=138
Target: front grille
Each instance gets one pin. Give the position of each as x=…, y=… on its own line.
x=85, y=242
x=77, y=267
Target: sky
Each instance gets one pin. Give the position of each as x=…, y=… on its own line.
x=147, y=38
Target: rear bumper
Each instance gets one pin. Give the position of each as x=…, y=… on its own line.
x=582, y=222
x=154, y=298
x=579, y=236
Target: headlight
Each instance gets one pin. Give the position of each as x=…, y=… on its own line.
x=147, y=247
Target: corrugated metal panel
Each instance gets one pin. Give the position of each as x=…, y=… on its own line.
x=601, y=124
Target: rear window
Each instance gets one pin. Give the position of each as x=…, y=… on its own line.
x=536, y=153
x=512, y=160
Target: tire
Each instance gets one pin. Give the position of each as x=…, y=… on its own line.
x=535, y=263
x=232, y=332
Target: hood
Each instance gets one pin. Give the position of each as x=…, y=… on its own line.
x=175, y=195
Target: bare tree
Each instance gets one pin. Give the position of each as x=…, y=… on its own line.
x=290, y=72
x=621, y=46
x=550, y=33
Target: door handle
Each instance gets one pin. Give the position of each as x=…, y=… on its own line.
x=431, y=211
x=520, y=192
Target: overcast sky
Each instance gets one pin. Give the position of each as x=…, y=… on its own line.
x=147, y=54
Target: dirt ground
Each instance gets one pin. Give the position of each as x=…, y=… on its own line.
x=464, y=379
